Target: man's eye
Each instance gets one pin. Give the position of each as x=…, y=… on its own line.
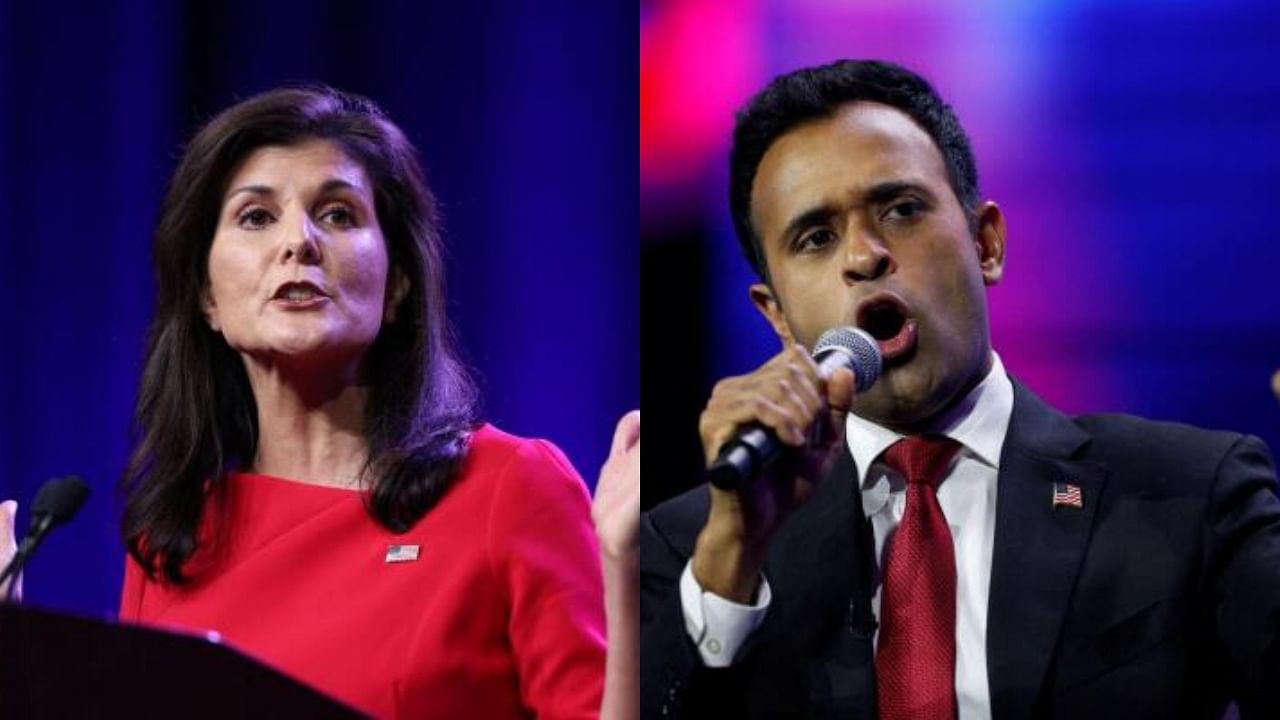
x=815, y=240
x=254, y=218
x=904, y=210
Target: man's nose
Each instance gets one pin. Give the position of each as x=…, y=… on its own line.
x=866, y=256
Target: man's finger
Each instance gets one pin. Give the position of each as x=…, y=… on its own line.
x=1275, y=384
x=840, y=389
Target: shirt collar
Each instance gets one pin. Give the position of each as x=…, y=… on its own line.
x=978, y=422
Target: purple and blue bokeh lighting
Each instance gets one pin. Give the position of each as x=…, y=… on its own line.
x=1134, y=148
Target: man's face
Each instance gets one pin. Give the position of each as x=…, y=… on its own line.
x=860, y=226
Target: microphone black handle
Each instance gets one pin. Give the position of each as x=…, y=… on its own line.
x=748, y=452
x=39, y=528
x=14, y=564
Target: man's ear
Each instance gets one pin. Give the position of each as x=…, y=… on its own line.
x=397, y=291
x=210, y=309
x=762, y=296
x=989, y=241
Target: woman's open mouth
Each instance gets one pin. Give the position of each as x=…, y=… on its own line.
x=299, y=296
x=886, y=319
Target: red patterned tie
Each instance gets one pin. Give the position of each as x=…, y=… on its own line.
x=916, y=650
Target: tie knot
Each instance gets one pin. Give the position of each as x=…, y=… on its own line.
x=921, y=458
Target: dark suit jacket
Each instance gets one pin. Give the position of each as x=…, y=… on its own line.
x=1160, y=598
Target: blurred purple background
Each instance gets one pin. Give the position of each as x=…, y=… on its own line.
x=1133, y=146
x=525, y=117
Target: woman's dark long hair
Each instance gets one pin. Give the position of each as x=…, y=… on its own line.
x=196, y=418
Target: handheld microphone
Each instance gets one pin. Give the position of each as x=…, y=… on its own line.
x=56, y=502
x=755, y=446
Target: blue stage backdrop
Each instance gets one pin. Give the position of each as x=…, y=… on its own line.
x=525, y=116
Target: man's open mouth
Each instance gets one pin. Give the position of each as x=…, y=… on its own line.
x=885, y=318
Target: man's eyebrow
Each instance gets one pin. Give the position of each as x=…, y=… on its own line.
x=877, y=194
x=808, y=218
x=884, y=192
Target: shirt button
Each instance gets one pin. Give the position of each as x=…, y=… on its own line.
x=713, y=646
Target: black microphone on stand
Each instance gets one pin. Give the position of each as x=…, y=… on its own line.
x=57, y=501
x=755, y=446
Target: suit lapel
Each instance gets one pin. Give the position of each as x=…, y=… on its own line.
x=824, y=581
x=816, y=562
x=1037, y=551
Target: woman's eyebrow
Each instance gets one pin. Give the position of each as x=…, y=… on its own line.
x=251, y=189
x=330, y=185
x=339, y=184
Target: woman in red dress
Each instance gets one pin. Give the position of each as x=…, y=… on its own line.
x=311, y=479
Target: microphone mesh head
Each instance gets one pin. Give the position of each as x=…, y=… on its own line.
x=864, y=354
x=60, y=498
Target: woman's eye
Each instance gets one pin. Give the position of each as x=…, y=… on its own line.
x=815, y=240
x=254, y=218
x=339, y=217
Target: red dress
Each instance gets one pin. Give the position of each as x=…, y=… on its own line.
x=499, y=616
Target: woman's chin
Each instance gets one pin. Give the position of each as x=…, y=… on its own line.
x=310, y=353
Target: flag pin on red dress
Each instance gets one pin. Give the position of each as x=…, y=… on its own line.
x=1068, y=495
x=402, y=553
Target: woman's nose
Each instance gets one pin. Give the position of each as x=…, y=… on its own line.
x=303, y=242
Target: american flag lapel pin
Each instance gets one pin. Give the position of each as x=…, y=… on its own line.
x=402, y=553
x=1067, y=495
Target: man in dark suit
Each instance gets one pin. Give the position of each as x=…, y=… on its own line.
x=943, y=543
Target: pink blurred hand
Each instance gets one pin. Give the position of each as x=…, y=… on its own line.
x=9, y=547
x=616, y=513
x=616, y=508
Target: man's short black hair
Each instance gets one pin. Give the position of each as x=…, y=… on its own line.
x=816, y=93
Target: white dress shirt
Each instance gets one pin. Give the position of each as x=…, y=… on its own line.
x=967, y=495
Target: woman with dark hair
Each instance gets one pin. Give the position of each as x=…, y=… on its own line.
x=310, y=478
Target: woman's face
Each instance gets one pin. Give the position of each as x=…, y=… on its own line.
x=298, y=266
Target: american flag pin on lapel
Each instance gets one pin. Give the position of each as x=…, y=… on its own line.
x=402, y=553
x=1067, y=495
